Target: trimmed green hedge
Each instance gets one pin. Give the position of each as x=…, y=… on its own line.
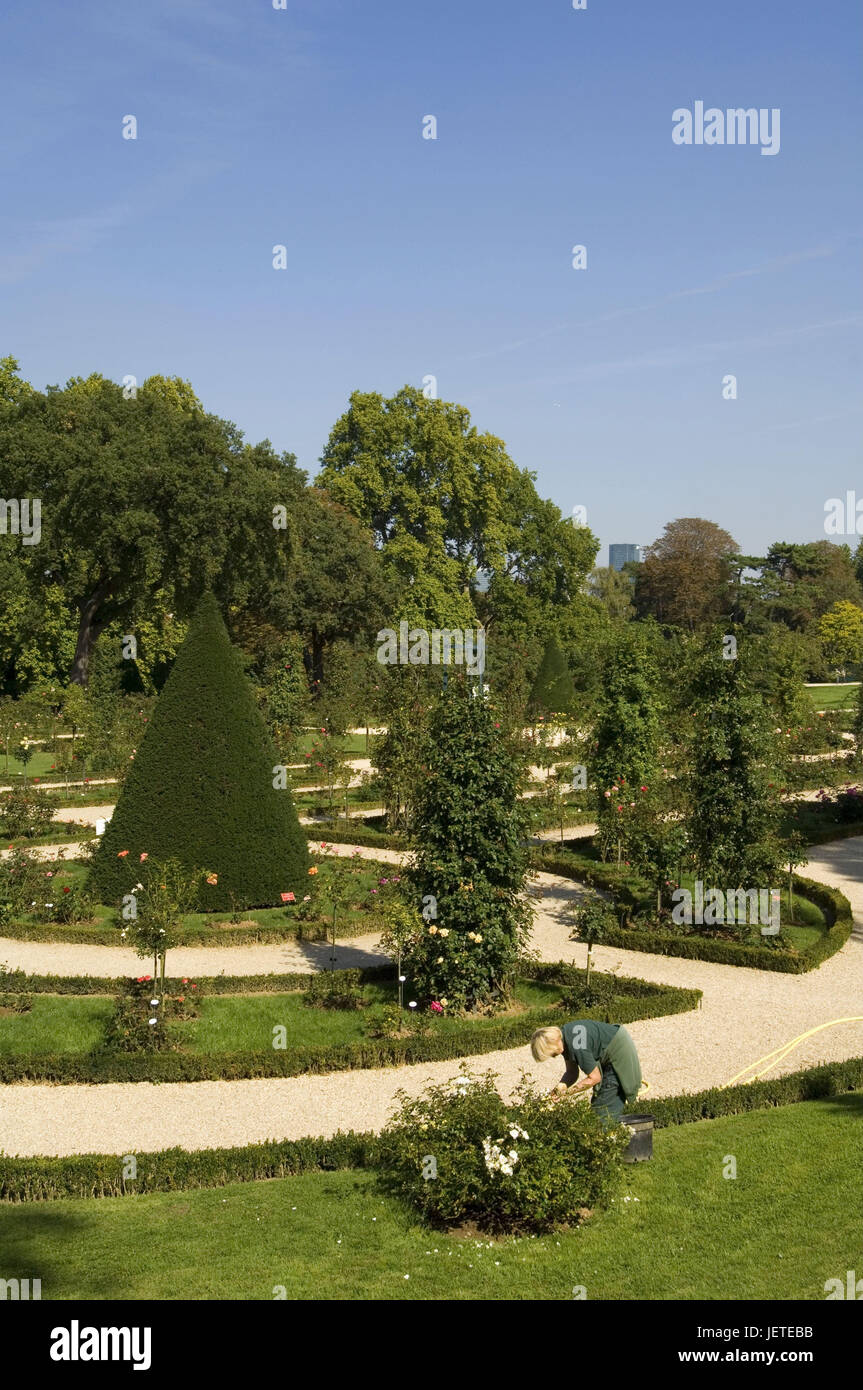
x=834, y=905
x=176, y=1170
x=815, y=1083
x=337, y=833
x=829, y=833
x=198, y=936
x=19, y=982
x=645, y=1000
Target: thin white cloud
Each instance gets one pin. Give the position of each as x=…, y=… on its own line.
x=779, y=263
x=678, y=356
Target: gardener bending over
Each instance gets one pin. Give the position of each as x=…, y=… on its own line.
x=605, y=1053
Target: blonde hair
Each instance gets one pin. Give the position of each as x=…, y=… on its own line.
x=545, y=1043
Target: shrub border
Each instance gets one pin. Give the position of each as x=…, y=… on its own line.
x=42, y=1179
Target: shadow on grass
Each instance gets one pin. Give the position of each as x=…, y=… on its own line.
x=27, y=1228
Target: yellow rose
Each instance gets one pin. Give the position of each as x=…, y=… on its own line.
x=432, y=931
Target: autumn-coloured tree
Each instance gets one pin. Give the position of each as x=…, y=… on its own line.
x=685, y=577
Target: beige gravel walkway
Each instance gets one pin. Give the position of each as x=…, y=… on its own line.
x=745, y=1014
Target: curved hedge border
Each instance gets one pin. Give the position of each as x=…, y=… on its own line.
x=828, y=833
x=176, y=1170
x=195, y=936
x=646, y=1000
x=834, y=905
x=336, y=833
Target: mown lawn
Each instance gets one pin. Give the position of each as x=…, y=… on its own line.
x=239, y=1023
x=801, y=927
x=55, y=1023
x=789, y=1221
x=842, y=695
x=233, y=1023
x=39, y=765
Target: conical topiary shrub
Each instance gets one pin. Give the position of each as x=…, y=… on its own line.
x=553, y=691
x=200, y=789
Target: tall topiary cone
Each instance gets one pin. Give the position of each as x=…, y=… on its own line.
x=201, y=786
x=553, y=691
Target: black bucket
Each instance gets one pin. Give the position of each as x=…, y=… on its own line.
x=640, y=1147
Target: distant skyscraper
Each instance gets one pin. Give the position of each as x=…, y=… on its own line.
x=618, y=555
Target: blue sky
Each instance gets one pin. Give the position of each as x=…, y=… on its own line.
x=452, y=257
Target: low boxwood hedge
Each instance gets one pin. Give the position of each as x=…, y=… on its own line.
x=825, y=835
x=199, y=936
x=18, y=981
x=626, y=892
x=357, y=833
x=36, y=1179
x=815, y=1083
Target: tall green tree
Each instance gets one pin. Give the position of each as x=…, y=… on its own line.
x=685, y=577
x=399, y=755
x=797, y=584
x=336, y=588
x=627, y=730
x=840, y=630
x=139, y=495
x=457, y=523
x=735, y=809
x=553, y=691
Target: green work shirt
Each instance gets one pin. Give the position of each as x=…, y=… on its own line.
x=596, y=1037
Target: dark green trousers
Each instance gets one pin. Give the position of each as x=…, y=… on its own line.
x=608, y=1097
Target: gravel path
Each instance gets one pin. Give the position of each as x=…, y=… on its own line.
x=745, y=1014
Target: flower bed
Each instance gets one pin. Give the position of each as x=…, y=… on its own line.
x=293, y=921
x=659, y=941
x=628, y=1000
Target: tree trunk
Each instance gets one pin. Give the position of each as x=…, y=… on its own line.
x=89, y=630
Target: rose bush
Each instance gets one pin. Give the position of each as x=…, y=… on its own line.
x=458, y=1153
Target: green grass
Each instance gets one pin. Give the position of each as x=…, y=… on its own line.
x=788, y=1222
x=842, y=695
x=801, y=929
x=238, y=1023
x=353, y=744
x=52, y=1026
x=231, y=1023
